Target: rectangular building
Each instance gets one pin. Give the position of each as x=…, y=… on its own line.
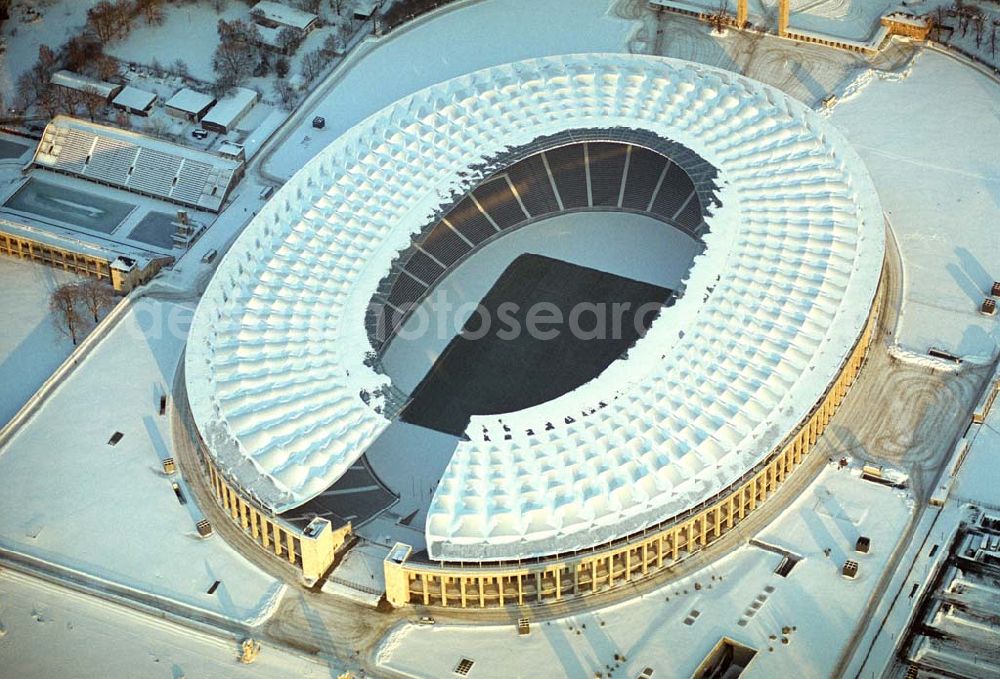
x=226, y=114
x=277, y=15
x=81, y=83
x=135, y=101
x=189, y=104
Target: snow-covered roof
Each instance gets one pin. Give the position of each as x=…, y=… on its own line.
x=284, y=15
x=190, y=101
x=80, y=82
x=230, y=109
x=134, y=99
x=276, y=361
x=365, y=8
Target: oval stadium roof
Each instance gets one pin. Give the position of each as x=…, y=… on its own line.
x=276, y=363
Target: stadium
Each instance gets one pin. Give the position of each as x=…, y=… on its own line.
x=524, y=470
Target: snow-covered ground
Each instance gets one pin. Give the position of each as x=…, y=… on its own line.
x=940, y=187
x=978, y=480
x=23, y=34
x=30, y=345
x=46, y=631
x=477, y=35
x=70, y=498
x=189, y=33
x=798, y=624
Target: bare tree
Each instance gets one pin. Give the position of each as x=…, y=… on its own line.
x=939, y=15
x=236, y=55
x=288, y=39
x=66, y=318
x=68, y=99
x=333, y=44
x=95, y=296
x=47, y=61
x=287, y=95
x=281, y=67
x=107, y=67
x=50, y=101
x=993, y=40
x=28, y=90
x=338, y=6
x=312, y=64
x=151, y=10
x=103, y=21
x=92, y=101
x=80, y=52
x=311, y=6
x=180, y=68
x=720, y=17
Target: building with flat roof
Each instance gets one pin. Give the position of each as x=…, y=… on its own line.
x=189, y=104
x=135, y=101
x=276, y=15
x=228, y=112
x=82, y=83
x=122, y=272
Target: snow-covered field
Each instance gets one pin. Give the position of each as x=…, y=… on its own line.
x=46, y=631
x=30, y=345
x=70, y=498
x=477, y=35
x=798, y=624
x=940, y=187
x=189, y=32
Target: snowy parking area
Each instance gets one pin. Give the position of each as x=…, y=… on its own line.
x=71, y=497
x=937, y=170
x=47, y=631
x=800, y=621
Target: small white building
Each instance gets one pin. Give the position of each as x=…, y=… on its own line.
x=276, y=15
x=228, y=112
x=82, y=83
x=135, y=101
x=189, y=104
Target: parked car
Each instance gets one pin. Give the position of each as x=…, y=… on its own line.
x=209, y=256
x=199, y=133
x=319, y=122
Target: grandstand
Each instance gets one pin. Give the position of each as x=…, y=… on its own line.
x=135, y=162
x=567, y=177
